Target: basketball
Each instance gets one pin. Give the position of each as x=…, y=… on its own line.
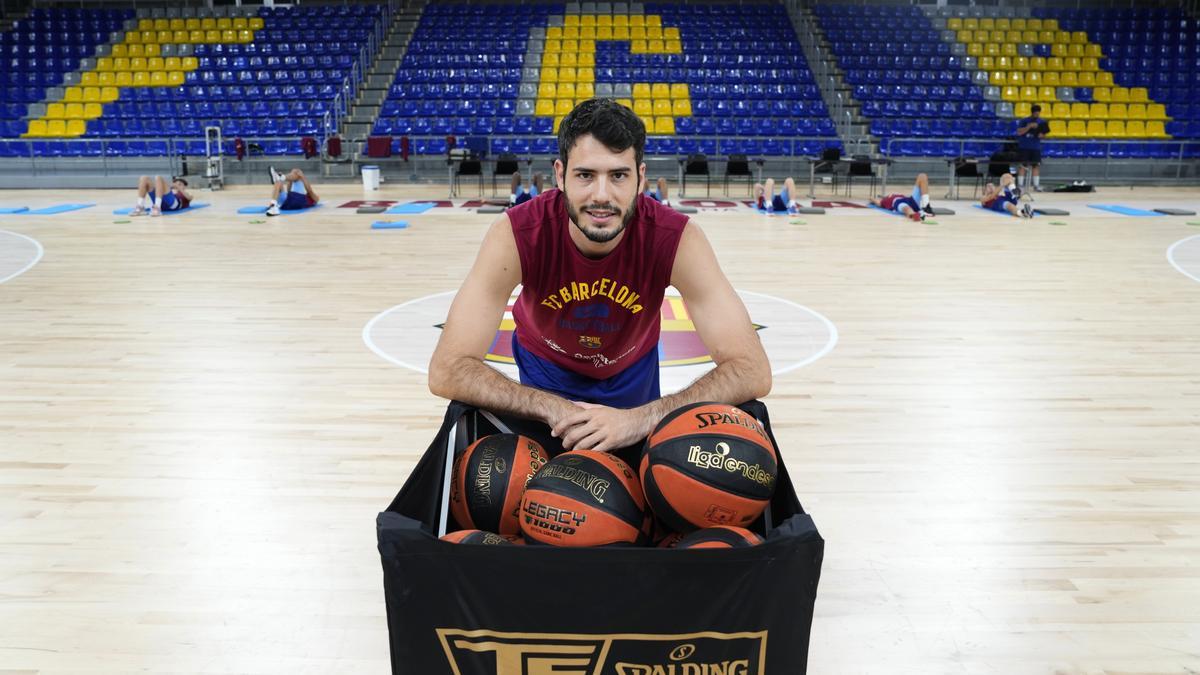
x=476, y=537
x=584, y=498
x=721, y=536
x=708, y=464
x=488, y=479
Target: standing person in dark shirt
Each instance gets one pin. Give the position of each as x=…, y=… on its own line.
x=1030, y=131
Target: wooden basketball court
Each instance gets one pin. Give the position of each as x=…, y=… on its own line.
x=1001, y=450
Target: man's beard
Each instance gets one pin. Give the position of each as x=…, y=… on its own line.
x=595, y=234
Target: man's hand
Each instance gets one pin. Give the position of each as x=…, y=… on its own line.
x=598, y=427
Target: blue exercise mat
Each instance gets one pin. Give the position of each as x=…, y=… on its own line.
x=1124, y=210
x=262, y=210
x=13, y=209
x=410, y=209
x=888, y=211
x=389, y=225
x=58, y=208
x=129, y=209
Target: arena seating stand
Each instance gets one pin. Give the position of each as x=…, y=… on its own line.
x=716, y=79
x=961, y=76
x=269, y=78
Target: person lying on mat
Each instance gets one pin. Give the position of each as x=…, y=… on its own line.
x=594, y=260
x=914, y=206
x=518, y=194
x=1006, y=199
x=766, y=201
x=290, y=192
x=161, y=197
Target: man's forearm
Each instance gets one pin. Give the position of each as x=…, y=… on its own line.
x=731, y=382
x=473, y=382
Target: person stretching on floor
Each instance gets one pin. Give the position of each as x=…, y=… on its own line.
x=766, y=201
x=1006, y=199
x=291, y=192
x=914, y=206
x=160, y=196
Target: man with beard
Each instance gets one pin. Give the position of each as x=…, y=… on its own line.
x=594, y=260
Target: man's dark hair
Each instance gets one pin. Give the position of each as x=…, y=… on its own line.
x=181, y=180
x=1035, y=108
x=611, y=123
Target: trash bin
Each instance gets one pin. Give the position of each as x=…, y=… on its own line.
x=522, y=610
x=370, y=177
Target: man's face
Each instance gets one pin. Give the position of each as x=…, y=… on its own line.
x=1034, y=113
x=179, y=185
x=600, y=187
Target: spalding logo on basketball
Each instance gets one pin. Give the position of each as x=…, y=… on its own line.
x=792, y=335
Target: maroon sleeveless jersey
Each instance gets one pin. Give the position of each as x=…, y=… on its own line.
x=594, y=317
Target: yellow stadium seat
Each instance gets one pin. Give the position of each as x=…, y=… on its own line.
x=162, y=24
x=1033, y=77
x=162, y=36
x=1017, y=24
x=653, y=20
x=637, y=32
x=75, y=128
x=225, y=23
x=975, y=49
x=660, y=90
x=637, y=19
x=1080, y=111
x=56, y=111
x=587, y=20
x=1046, y=94
x=1010, y=94
x=1087, y=79
x=1139, y=95
x=1156, y=129
x=1029, y=36
x=1021, y=63
x=641, y=90
x=991, y=49
x=671, y=33
x=1072, y=63
x=1076, y=129
x=1118, y=111
x=549, y=74
x=211, y=24
x=1135, y=129
x=1037, y=63
x=627, y=102
x=566, y=90
x=106, y=79
x=73, y=111
x=604, y=20
x=1008, y=49
x=1137, y=111
x=1060, y=110
x=544, y=107
x=1011, y=35
x=585, y=90
x=568, y=59
x=1046, y=37
x=679, y=90
x=1104, y=79
x=1120, y=95
x=1029, y=94
x=1016, y=78
x=257, y=23
x=585, y=75
x=571, y=20
x=145, y=24
x=229, y=35
x=158, y=78
x=547, y=90
x=563, y=106
x=92, y=110
x=551, y=59
x=195, y=37
x=1156, y=111
x=73, y=94
x=954, y=23
x=1069, y=79
x=89, y=79
x=664, y=125
x=191, y=24
x=1093, y=50
x=109, y=94
x=141, y=79
x=1033, y=24
x=620, y=19
x=179, y=36
x=998, y=78
x=1098, y=111
x=681, y=107
x=1050, y=78
x=987, y=63
x=1097, y=129
x=970, y=23
x=1058, y=128
x=638, y=47
x=175, y=78
x=135, y=63
x=177, y=24
x=244, y=36
x=662, y=106
x=1021, y=109
x=212, y=36
x=56, y=128
x=642, y=107
x=1115, y=129
x=1076, y=50
x=988, y=23
x=587, y=46
x=1054, y=63
x=156, y=63
x=620, y=32
x=1079, y=37
x=91, y=94
x=172, y=63
x=654, y=33
x=37, y=129
x=1003, y=63
x=190, y=63
x=133, y=37
x=104, y=64
x=1089, y=63
x=120, y=49
x=604, y=33
x=124, y=79
x=966, y=36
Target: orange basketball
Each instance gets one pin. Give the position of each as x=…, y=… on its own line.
x=584, y=498
x=476, y=537
x=720, y=536
x=708, y=464
x=488, y=479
